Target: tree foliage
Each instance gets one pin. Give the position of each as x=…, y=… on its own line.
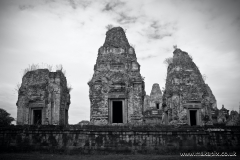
x=109, y=26
x=5, y=118
x=168, y=61
x=34, y=67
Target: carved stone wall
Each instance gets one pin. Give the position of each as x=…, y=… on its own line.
x=116, y=77
x=186, y=94
x=120, y=139
x=44, y=94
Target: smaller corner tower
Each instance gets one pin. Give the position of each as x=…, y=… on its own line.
x=43, y=98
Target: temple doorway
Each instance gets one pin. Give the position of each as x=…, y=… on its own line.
x=37, y=117
x=117, y=111
x=66, y=116
x=193, y=117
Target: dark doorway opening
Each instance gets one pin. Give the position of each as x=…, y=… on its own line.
x=193, y=117
x=157, y=105
x=66, y=117
x=117, y=112
x=37, y=117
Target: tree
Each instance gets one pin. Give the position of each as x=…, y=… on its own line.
x=5, y=118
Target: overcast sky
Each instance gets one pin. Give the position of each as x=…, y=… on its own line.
x=70, y=32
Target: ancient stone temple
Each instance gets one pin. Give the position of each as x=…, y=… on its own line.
x=153, y=106
x=186, y=99
x=233, y=119
x=156, y=97
x=116, y=90
x=43, y=98
x=223, y=115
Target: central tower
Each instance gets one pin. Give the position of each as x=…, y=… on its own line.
x=116, y=90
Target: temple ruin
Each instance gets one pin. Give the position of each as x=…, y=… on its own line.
x=153, y=106
x=116, y=90
x=43, y=98
x=233, y=119
x=186, y=99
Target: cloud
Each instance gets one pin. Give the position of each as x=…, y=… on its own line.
x=153, y=26
x=72, y=3
x=110, y=6
x=25, y=7
x=148, y=57
x=124, y=19
x=236, y=22
x=83, y=3
x=157, y=31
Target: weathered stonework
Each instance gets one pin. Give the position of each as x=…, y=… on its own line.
x=153, y=106
x=116, y=89
x=233, y=119
x=156, y=97
x=223, y=115
x=187, y=99
x=146, y=102
x=43, y=98
x=120, y=139
x=212, y=99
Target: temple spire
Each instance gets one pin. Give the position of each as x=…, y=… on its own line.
x=116, y=37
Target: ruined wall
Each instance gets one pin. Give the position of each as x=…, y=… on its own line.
x=45, y=91
x=117, y=139
x=186, y=91
x=234, y=119
x=116, y=77
x=153, y=116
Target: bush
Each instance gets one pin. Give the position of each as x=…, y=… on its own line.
x=5, y=118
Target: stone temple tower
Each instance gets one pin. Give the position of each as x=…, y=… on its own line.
x=43, y=98
x=153, y=106
x=116, y=90
x=186, y=99
x=156, y=97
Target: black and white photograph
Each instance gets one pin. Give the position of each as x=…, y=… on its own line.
x=119, y=79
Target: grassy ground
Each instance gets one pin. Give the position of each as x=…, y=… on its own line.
x=44, y=156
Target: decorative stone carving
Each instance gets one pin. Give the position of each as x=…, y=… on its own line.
x=130, y=51
x=134, y=66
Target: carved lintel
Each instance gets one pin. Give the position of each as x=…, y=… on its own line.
x=37, y=104
x=117, y=95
